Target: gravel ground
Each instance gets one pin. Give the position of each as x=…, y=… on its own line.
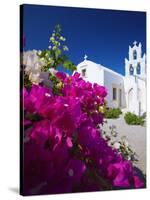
x=136, y=136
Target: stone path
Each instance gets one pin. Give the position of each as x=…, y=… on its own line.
x=136, y=136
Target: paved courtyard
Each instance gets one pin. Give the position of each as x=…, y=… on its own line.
x=136, y=136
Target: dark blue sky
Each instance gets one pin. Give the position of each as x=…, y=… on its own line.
x=104, y=35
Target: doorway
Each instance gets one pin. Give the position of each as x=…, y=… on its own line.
x=130, y=100
x=120, y=98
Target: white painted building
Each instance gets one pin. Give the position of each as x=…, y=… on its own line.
x=126, y=92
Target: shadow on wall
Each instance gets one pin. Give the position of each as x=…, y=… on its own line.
x=14, y=190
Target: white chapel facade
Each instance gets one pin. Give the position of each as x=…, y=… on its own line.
x=126, y=92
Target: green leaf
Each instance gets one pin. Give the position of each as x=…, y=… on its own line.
x=57, y=53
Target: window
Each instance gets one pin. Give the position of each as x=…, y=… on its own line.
x=114, y=93
x=134, y=55
x=131, y=69
x=83, y=72
x=138, y=69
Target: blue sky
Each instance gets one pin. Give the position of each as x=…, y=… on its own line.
x=104, y=35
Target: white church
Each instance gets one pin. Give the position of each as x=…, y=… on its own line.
x=126, y=92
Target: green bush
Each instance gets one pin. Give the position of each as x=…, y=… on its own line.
x=113, y=113
x=133, y=119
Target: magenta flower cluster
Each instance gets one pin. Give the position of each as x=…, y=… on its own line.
x=63, y=147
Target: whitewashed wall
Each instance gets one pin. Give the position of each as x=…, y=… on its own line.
x=112, y=79
x=94, y=73
x=135, y=90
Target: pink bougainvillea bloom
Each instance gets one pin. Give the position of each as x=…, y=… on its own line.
x=138, y=182
x=36, y=98
x=63, y=146
x=121, y=173
x=61, y=76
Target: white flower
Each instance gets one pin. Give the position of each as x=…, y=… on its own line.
x=62, y=38
x=52, y=38
x=51, y=61
x=116, y=145
x=129, y=158
x=28, y=69
x=46, y=54
x=49, y=47
x=33, y=65
x=39, y=52
x=65, y=48
x=37, y=66
x=35, y=78
x=42, y=59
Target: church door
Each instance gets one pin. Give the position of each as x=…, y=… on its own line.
x=130, y=99
x=139, y=108
x=120, y=97
x=139, y=99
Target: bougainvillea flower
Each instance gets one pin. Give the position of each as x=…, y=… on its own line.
x=138, y=183
x=121, y=173
x=46, y=135
x=74, y=170
x=64, y=150
x=61, y=76
x=38, y=96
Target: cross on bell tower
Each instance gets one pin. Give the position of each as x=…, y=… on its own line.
x=135, y=43
x=85, y=57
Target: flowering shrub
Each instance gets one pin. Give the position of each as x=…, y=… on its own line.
x=64, y=150
x=35, y=63
x=55, y=55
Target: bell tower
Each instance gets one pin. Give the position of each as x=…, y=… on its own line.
x=136, y=63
